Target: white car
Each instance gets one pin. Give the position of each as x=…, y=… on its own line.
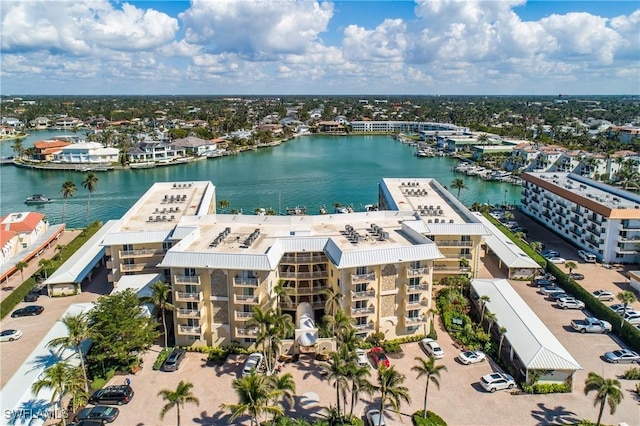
x=603, y=295
x=497, y=381
x=556, y=259
x=431, y=348
x=375, y=419
x=363, y=360
x=586, y=256
x=253, y=363
x=471, y=357
x=10, y=335
x=632, y=317
x=570, y=303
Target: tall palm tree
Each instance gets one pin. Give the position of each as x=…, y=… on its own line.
x=78, y=330
x=20, y=267
x=428, y=369
x=607, y=390
x=90, y=183
x=18, y=148
x=336, y=371
x=340, y=323
x=62, y=379
x=255, y=394
x=491, y=319
x=571, y=266
x=45, y=264
x=283, y=294
x=536, y=246
x=391, y=390
x=502, y=331
x=68, y=190
x=333, y=298
x=358, y=376
x=459, y=185
x=160, y=295
x=177, y=398
x=626, y=297
x=484, y=299
x=284, y=387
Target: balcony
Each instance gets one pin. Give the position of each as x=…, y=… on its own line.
x=186, y=279
x=246, y=332
x=440, y=269
x=243, y=316
x=124, y=254
x=182, y=296
x=136, y=267
x=415, y=304
x=306, y=290
x=361, y=328
x=416, y=288
x=245, y=282
x=420, y=319
x=594, y=230
x=457, y=256
x=304, y=258
x=304, y=275
x=363, y=311
x=453, y=243
x=577, y=220
x=187, y=313
x=242, y=299
x=412, y=272
x=359, y=295
x=363, y=277
x=189, y=329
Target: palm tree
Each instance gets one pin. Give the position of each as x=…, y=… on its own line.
x=177, y=398
x=223, y=204
x=502, y=331
x=332, y=299
x=255, y=394
x=336, y=371
x=283, y=293
x=78, y=330
x=391, y=390
x=45, y=264
x=431, y=371
x=340, y=323
x=160, y=294
x=20, y=267
x=284, y=387
x=459, y=185
x=536, y=246
x=571, y=266
x=627, y=298
x=18, y=148
x=62, y=379
x=90, y=183
x=491, y=319
x=484, y=299
x=607, y=390
x=68, y=190
x=358, y=376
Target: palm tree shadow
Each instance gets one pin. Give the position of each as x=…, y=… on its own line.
x=32, y=412
x=556, y=416
x=217, y=418
x=42, y=362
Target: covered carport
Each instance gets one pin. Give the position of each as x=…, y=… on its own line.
x=66, y=280
x=534, y=352
x=517, y=263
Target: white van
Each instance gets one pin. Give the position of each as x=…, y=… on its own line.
x=586, y=256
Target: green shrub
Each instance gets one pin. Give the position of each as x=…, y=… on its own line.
x=432, y=419
x=110, y=374
x=433, y=334
x=544, y=388
x=98, y=383
x=162, y=356
x=391, y=347
x=632, y=374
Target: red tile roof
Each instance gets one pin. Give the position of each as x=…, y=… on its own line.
x=26, y=223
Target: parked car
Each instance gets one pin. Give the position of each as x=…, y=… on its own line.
x=604, y=295
x=576, y=276
x=431, y=348
x=253, y=363
x=550, y=253
x=103, y=413
x=471, y=357
x=632, y=317
x=30, y=310
x=542, y=282
x=32, y=296
x=10, y=335
x=497, y=381
x=551, y=289
x=374, y=418
x=570, y=303
x=556, y=259
x=591, y=325
x=586, y=256
x=622, y=356
x=363, y=361
x=557, y=296
x=379, y=357
x=619, y=308
x=112, y=395
x=173, y=361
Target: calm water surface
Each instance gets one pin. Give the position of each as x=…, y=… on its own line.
x=308, y=171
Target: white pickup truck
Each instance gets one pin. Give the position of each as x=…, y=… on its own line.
x=591, y=325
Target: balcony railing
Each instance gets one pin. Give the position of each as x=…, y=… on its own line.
x=367, y=294
x=243, y=299
x=306, y=290
x=457, y=256
x=416, y=320
x=415, y=288
x=187, y=296
x=139, y=253
x=304, y=258
x=304, y=275
x=363, y=277
x=187, y=313
x=451, y=269
x=364, y=327
x=186, y=279
x=188, y=329
x=454, y=243
x=245, y=282
x=135, y=267
x=415, y=304
x=246, y=332
x=363, y=311
x=412, y=272
x=243, y=316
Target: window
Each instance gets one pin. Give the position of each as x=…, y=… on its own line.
x=361, y=270
x=190, y=272
x=166, y=245
x=414, y=298
x=414, y=313
x=415, y=265
x=361, y=287
x=361, y=321
x=127, y=247
x=415, y=281
x=466, y=238
x=361, y=304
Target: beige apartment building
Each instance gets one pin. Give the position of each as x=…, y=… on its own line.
x=221, y=266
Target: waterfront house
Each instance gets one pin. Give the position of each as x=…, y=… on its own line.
x=195, y=146
x=87, y=153
x=330, y=127
x=67, y=123
x=155, y=151
x=18, y=231
x=46, y=150
x=39, y=123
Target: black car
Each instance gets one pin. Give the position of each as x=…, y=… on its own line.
x=576, y=276
x=32, y=296
x=100, y=412
x=172, y=363
x=28, y=311
x=112, y=395
x=87, y=422
x=542, y=282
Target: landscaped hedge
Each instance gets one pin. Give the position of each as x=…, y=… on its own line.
x=432, y=419
x=162, y=356
x=632, y=374
x=16, y=296
x=544, y=388
x=520, y=243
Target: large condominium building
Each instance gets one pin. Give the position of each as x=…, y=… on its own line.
x=407, y=127
x=221, y=266
x=599, y=218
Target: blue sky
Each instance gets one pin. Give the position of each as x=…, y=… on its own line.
x=287, y=47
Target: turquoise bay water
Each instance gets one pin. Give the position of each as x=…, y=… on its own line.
x=309, y=171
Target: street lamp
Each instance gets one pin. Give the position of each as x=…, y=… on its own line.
x=505, y=198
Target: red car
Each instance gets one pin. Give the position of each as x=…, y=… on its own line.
x=379, y=357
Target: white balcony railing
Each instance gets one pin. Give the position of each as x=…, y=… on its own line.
x=188, y=329
x=189, y=296
x=187, y=313
x=186, y=279
x=412, y=272
x=358, y=278
x=414, y=288
x=245, y=282
x=138, y=253
x=416, y=320
x=243, y=316
x=246, y=299
x=367, y=294
x=363, y=311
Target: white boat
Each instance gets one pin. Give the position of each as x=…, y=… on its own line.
x=143, y=165
x=37, y=199
x=341, y=209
